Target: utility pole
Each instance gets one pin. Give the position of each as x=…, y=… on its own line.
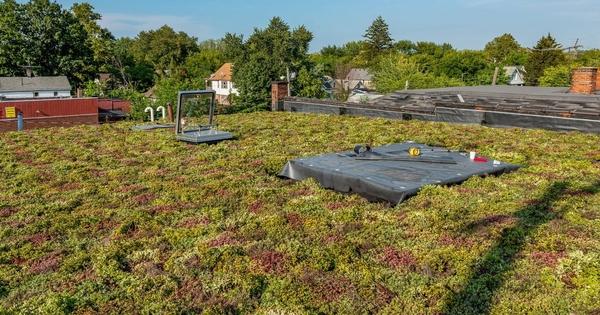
x=495, y=79
x=289, y=83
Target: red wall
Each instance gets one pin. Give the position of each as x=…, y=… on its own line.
x=50, y=113
x=114, y=105
x=58, y=107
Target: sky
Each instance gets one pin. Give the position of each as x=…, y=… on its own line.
x=466, y=24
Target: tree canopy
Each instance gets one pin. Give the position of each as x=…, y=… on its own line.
x=268, y=54
x=378, y=37
x=40, y=33
x=546, y=53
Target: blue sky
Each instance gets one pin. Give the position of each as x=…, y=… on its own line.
x=466, y=24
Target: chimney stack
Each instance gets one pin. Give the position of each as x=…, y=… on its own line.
x=584, y=80
x=279, y=91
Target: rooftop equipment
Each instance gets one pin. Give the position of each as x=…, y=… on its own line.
x=185, y=118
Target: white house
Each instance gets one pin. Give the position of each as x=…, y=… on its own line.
x=221, y=82
x=516, y=75
x=14, y=88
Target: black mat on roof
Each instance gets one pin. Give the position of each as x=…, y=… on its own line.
x=389, y=173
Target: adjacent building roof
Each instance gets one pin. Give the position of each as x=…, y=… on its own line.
x=28, y=84
x=225, y=73
x=516, y=74
x=359, y=74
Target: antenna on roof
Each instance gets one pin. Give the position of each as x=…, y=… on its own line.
x=575, y=48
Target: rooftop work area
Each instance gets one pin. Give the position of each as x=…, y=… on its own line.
x=149, y=224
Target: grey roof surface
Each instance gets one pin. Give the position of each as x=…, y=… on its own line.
x=27, y=84
x=389, y=172
x=359, y=74
x=501, y=89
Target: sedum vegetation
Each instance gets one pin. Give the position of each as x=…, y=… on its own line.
x=105, y=220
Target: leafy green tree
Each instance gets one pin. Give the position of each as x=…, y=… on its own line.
x=202, y=64
x=309, y=84
x=556, y=76
x=167, y=88
x=11, y=39
x=267, y=55
x=333, y=58
x=589, y=58
x=502, y=48
x=253, y=81
x=406, y=47
x=466, y=65
x=378, y=37
x=41, y=33
x=98, y=38
x=125, y=69
x=429, y=54
x=165, y=49
x=547, y=53
x=394, y=71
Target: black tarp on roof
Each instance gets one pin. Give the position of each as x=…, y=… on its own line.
x=389, y=173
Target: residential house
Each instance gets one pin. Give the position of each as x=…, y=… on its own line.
x=358, y=79
x=516, y=75
x=221, y=82
x=15, y=88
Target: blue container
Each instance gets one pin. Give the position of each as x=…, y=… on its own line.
x=20, y=121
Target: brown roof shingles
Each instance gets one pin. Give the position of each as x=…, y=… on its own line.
x=225, y=73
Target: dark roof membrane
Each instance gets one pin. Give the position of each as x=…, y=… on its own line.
x=389, y=173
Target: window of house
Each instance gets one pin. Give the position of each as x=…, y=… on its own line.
x=36, y=94
x=223, y=84
x=55, y=93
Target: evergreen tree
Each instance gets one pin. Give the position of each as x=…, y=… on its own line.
x=378, y=37
x=547, y=53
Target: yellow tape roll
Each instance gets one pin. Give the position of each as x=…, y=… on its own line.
x=414, y=151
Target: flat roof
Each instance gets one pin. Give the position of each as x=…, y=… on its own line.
x=508, y=91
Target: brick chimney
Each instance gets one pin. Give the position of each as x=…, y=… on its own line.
x=279, y=90
x=584, y=80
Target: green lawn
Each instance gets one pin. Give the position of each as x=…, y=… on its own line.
x=105, y=220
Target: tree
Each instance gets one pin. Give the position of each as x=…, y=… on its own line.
x=309, y=84
x=253, y=81
x=406, y=47
x=11, y=39
x=98, y=38
x=202, y=64
x=41, y=34
x=378, y=37
x=469, y=66
x=165, y=49
x=268, y=54
x=557, y=76
x=547, y=53
x=394, y=71
x=501, y=48
x=125, y=69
